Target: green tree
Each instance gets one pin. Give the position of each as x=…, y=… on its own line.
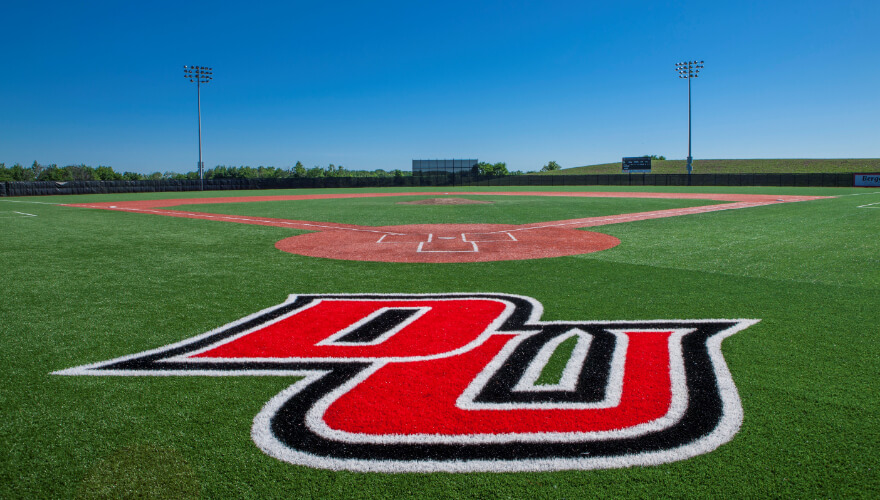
x=492, y=169
x=79, y=173
x=299, y=170
x=103, y=173
x=20, y=173
x=53, y=173
x=37, y=170
x=550, y=166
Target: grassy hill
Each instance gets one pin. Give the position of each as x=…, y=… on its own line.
x=762, y=166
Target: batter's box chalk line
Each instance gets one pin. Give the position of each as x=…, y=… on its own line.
x=447, y=242
x=438, y=243
x=486, y=237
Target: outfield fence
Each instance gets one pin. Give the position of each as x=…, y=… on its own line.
x=101, y=187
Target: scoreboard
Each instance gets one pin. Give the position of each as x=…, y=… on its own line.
x=637, y=165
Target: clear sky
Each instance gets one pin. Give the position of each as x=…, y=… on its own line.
x=375, y=84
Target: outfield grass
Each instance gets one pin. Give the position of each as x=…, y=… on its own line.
x=82, y=286
x=754, y=166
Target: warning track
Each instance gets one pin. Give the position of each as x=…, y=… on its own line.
x=446, y=243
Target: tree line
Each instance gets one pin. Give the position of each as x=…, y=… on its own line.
x=52, y=172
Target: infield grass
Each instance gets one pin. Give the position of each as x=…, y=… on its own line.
x=82, y=286
x=389, y=211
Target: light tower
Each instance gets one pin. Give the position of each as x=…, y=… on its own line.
x=200, y=75
x=688, y=70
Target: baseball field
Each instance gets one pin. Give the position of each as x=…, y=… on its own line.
x=573, y=342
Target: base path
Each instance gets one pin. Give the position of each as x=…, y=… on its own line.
x=446, y=243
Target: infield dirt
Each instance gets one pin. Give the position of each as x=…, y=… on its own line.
x=448, y=243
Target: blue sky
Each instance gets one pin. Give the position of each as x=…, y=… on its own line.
x=376, y=84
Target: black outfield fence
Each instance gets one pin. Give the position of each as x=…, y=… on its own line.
x=101, y=187
x=805, y=180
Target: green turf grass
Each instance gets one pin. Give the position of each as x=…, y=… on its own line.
x=388, y=211
x=552, y=372
x=81, y=286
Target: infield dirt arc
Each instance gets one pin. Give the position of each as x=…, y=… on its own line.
x=447, y=243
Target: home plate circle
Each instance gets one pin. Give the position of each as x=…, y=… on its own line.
x=447, y=243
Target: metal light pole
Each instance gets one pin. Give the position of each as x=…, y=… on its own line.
x=688, y=70
x=200, y=75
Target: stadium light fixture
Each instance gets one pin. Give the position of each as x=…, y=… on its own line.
x=688, y=70
x=199, y=75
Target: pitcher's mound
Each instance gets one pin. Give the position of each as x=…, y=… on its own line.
x=445, y=201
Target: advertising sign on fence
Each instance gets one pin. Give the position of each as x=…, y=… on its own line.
x=637, y=165
x=866, y=180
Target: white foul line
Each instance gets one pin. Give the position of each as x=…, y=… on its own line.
x=202, y=215
x=37, y=202
x=19, y=216
x=856, y=194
